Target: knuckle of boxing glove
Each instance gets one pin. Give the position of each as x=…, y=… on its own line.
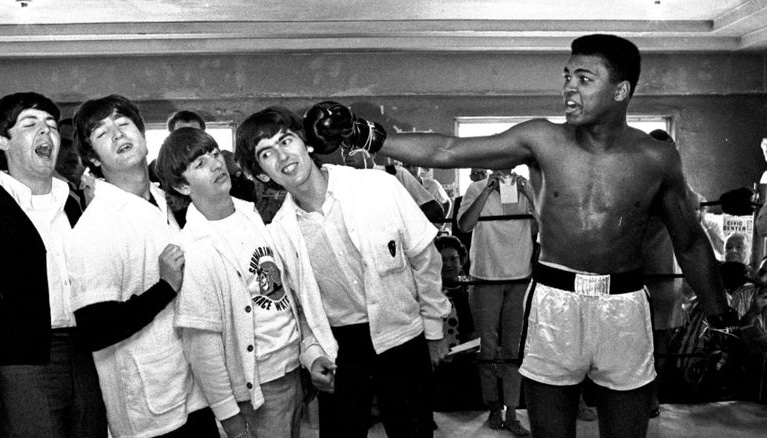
x=326, y=124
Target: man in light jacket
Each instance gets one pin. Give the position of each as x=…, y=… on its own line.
x=360, y=254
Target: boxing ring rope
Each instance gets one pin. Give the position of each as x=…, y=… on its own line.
x=734, y=201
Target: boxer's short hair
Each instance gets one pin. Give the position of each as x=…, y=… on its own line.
x=621, y=56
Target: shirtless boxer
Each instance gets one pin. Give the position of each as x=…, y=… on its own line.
x=596, y=181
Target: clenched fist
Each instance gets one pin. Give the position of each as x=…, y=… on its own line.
x=172, y=266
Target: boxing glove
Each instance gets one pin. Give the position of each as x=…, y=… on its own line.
x=726, y=321
x=738, y=202
x=330, y=125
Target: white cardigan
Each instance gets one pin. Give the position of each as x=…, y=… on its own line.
x=215, y=297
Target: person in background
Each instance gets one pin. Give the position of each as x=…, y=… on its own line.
x=502, y=256
x=454, y=256
x=269, y=199
x=185, y=119
x=432, y=186
x=242, y=187
x=458, y=386
x=750, y=301
x=70, y=168
x=181, y=119
x=361, y=258
x=126, y=272
x=735, y=269
x=426, y=176
x=465, y=238
x=361, y=159
x=737, y=248
x=238, y=318
x=48, y=382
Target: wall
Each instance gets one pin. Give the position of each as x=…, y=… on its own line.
x=718, y=102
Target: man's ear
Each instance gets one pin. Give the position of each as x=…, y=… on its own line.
x=264, y=178
x=183, y=189
x=622, y=91
x=5, y=143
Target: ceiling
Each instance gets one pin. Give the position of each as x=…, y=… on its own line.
x=45, y=28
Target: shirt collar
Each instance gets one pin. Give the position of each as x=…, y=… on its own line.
x=120, y=198
x=340, y=178
x=198, y=226
x=330, y=193
x=23, y=194
x=333, y=186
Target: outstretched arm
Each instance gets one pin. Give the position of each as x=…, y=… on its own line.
x=329, y=125
x=501, y=151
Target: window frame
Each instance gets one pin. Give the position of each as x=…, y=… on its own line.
x=156, y=127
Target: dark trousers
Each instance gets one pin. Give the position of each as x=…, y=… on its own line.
x=60, y=400
x=401, y=378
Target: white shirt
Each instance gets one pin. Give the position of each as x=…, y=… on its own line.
x=276, y=330
x=501, y=249
x=336, y=263
x=46, y=212
x=436, y=190
x=416, y=189
x=145, y=380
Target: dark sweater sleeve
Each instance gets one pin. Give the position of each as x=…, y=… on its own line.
x=433, y=211
x=109, y=322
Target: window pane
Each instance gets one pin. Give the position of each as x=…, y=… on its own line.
x=156, y=133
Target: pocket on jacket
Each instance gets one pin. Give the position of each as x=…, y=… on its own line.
x=388, y=253
x=166, y=379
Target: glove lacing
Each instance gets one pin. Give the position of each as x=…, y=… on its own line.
x=365, y=148
x=369, y=140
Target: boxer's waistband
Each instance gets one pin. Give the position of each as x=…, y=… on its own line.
x=588, y=284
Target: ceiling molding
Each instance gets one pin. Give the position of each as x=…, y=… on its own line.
x=749, y=15
x=138, y=27
x=288, y=28
x=211, y=44
x=756, y=39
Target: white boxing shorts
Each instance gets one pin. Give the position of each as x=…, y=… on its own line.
x=579, y=325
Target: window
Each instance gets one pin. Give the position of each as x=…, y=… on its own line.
x=480, y=126
x=156, y=133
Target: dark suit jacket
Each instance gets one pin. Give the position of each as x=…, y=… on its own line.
x=25, y=315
